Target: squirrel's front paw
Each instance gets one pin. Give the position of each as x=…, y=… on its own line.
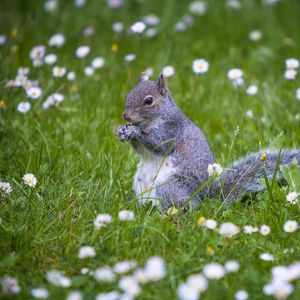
x=124, y=132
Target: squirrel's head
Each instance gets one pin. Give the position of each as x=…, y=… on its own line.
x=146, y=101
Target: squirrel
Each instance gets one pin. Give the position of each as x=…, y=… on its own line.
x=175, y=154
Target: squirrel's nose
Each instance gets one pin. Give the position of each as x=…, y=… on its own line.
x=126, y=116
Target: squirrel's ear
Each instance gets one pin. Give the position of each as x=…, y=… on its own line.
x=161, y=84
x=143, y=77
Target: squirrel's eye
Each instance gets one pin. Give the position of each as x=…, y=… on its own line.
x=148, y=100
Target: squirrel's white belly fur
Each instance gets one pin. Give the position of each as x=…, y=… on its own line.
x=151, y=172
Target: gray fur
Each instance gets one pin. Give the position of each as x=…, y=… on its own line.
x=163, y=130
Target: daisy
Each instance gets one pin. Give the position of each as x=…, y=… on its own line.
x=214, y=271
x=197, y=8
x=10, y=286
x=210, y=224
x=86, y=251
x=125, y=266
x=117, y=27
x=298, y=93
x=40, y=293
x=264, y=229
x=255, y=35
x=266, y=257
x=180, y=26
x=129, y=57
x=38, y=52
x=58, y=279
x=248, y=229
x=249, y=113
x=252, y=90
x=5, y=188
x=151, y=20
x=290, y=74
x=198, y=282
x=129, y=285
x=89, y=71
x=114, y=295
x=30, y=179
x=155, y=268
x=232, y=266
x=89, y=31
x=24, y=107
x=98, y=62
x=168, y=71
x=292, y=197
x=151, y=32
x=71, y=76
x=138, y=27
x=57, y=40
x=20, y=80
x=74, y=295
x=50, y=59
x=102, y=220
x=34, y=92
x=126, y=215
x=234, y=74
x=104, y=274
x=51, y=5
x=82, y=51
x=2, y=39
x=241, y=295
x=80, y=3
x=187, y=292
x=59, y=71
x=233, y=4
x=292, y=63
x=200, y=66
x=290, y=226
x=115, y=3
x=228, y=229
x=214, y=169
x=140, y=276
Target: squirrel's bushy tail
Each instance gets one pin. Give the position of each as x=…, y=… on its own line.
x=243, y=177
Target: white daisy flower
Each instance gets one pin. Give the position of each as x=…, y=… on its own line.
x=38, y=52
x=23, y=71
x=214, y=169
x=10, y=286
x=264, y=229
x=151, y=20
x=290, y=74
x=248, y=229
x=187, y=292
x=200, y=66
x=89, y=71
x=234, y=74
x=58, y=279
x=233, y=4
x=298, y=93
x=290, y=226
x=210, y=224
x=180, y=26
x=114, y=295
x=249, y=113
x=228, y=229
x=241, y=295
x=126, y=215
x=20, y=80
x=129, y=57
x=102, y=220
x=237, y=82
x=255, y=35
x=5, y=188
x=115, y=3
x=71, y=76
x=104, y=274
x=57, y=40
x=198, y=282
x=98, y=62
x=50, y=59
x=30, y=179
x=155, y=268
x=266, y=257
x=24, y=107
x=232, y=266
x=129, y=285
x=84, y=271
x=34, y=92
x=51, y=5
x=118, y=27
x=40, y=293
x=125, y=266
x=89, y=31
x=151, y=32
x=214, y=271
x=74, y=295
x=59, y=71
x=168, y=71
x=86, y=251
x=292, y=197
x=140, y=276
x=252, y=90
x=79, y=3
x=2, y=39
x=197, y=8
x=82, y=51
x=138, y=27
x=292, y=63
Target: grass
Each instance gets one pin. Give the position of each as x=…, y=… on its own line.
x=83, y=170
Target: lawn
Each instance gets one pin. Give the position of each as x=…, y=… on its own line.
x=64, y=134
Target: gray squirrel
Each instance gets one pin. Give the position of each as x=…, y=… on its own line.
x=175, y=154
